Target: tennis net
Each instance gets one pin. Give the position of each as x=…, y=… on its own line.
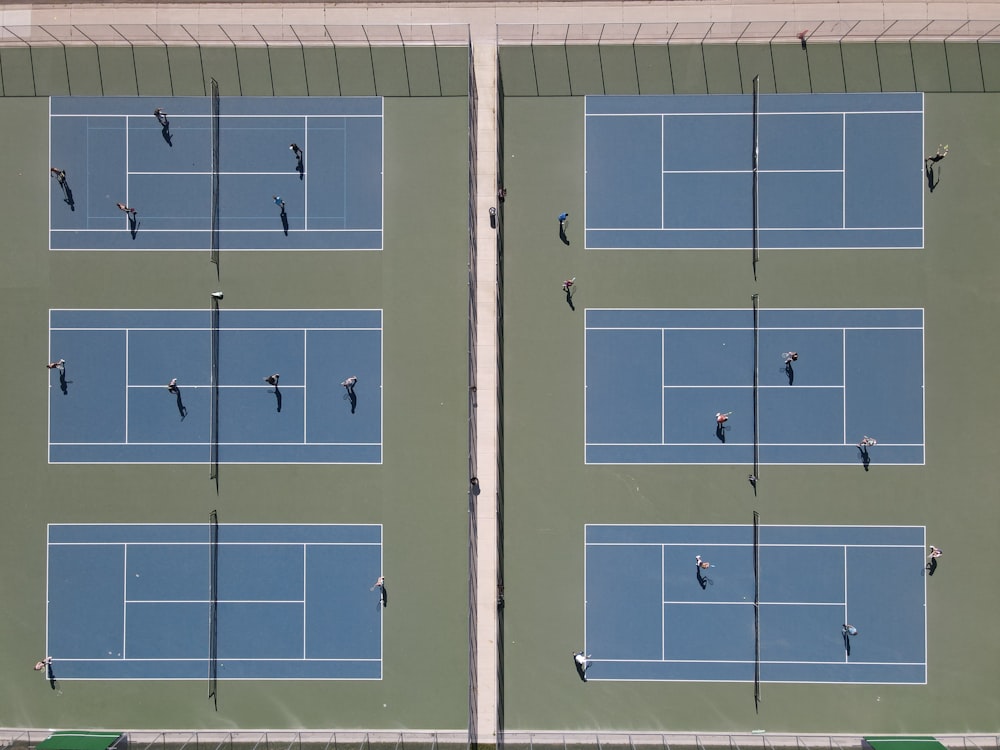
x=756, y=387
x=214, y=375
x=215, y=173
x=213, y=598
x=756, y=152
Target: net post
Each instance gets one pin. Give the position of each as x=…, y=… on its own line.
x=756, y=154
x=213, y=598
x=756, y=611
x=215, y=174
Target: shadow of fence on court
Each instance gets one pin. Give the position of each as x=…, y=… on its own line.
x=247, y=60
x=723, y=58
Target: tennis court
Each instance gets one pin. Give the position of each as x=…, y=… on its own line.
x=134, y=601
x=656, y=379
x=798, y=170
x=652, y=614
x=114, y=150
x=110, y=402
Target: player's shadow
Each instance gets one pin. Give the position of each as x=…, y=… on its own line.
x=353, y=398
x=181, y=409
x=284, y=221
x=931, y=566
x=51, y=677
x=300, y=165
x=383, y=598
x=933, y=176
x=847, y=643
x=562, y=234
x=165, y=132
x=866, y=460
x=68, y=196
x=720, y=432
x=569, y=299
x=63, y=383
x=789, y=373
x=133, y=225
x=277, y=397
x=703, y=580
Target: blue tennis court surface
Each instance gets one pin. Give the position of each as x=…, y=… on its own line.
x=652, y=614
x=115, y=151
x=132, y=601
x=835, y=170
x=111, y=403
x=655, y=380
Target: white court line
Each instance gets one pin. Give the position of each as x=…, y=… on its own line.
x=206, y=230
x=646, y=445
x=126, y=384
x=221, y=544
x=272, y=445
x=759, y=171
x=796, y=545
x=197, y=116
x=221, y=601
x=745, y=229
x=843, y=377
x=749, y=603
x=831, y=112
x=124, y=598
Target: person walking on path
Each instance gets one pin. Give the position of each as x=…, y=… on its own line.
x=126, y=209
x=582, y=662
x=57, y=365
x=272, y=379
x=172, y=385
